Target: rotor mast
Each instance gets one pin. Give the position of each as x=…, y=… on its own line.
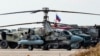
x=46, y=23
x=45, y=10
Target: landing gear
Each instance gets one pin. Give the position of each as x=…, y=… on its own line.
x=30, y=47
x=76, y=45
x=46, y=47
x=55, y=46
x=68, y=47
x=19, y=46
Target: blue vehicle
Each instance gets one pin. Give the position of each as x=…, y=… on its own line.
x=87, y=39
x=75, y=40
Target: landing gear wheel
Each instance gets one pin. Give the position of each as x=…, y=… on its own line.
x=4, y=44
x=86, y=46
x=45, y=47
x=56, y=46
x=76, y=45
x=19, y=46
x=68, y=47
x=12, y=45
x=30, y=48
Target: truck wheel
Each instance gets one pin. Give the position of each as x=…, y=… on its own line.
x=4, y=44
x=12, y=45
x=30, y=48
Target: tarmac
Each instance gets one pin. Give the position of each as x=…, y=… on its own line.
x=38, y=52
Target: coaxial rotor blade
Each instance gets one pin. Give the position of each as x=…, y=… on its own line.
x=47, y=10
x=22, y=24
x=74, y=12
x=50, y=11
x=56, y=23
x=33, y=11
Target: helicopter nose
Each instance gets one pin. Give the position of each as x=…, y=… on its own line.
x=75, y=39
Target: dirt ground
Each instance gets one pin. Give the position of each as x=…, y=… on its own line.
x=37, y=52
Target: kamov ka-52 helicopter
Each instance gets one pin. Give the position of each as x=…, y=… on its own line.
x=50, y=38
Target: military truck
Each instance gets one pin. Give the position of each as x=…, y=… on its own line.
x=9, y=38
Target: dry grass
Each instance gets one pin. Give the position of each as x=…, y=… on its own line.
x=92, y=51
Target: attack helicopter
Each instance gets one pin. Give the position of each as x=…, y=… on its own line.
x=50, y=37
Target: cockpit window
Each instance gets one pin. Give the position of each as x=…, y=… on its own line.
x=65, y=32
x=76, y=32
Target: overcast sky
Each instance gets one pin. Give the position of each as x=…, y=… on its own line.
x=90, y=6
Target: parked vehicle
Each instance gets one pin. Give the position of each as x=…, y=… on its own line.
x=75, y=40
x=87, y=39
x=9, y=38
